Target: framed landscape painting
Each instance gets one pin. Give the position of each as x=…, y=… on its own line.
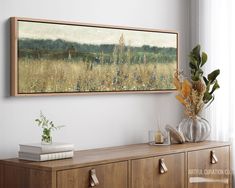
x=67, y=58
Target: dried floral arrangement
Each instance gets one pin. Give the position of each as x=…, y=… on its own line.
x=198, y=91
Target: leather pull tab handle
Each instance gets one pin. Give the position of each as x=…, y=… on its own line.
x=214, y=159
x=163, y=168
x=93, y=178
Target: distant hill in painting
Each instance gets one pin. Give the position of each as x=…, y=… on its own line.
x=104, y=53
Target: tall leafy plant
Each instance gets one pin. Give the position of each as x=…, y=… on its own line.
x=197, y=61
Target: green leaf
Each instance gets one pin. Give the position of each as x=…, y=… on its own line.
x=195, y=78
x=208, y=85
x=47, y=126
x=210, y=101
x=200, y=71
x=197, y=75
x=196, y=49
x=196, y=54
x=204, y=58
x=207, y=97
x=215, y=87
x=192, y=65
x=193, y=60
x=212, y=76
x=205, y=80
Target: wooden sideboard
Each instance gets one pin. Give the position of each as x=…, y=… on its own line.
x=192, y=165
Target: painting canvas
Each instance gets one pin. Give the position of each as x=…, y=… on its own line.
x=62, y=57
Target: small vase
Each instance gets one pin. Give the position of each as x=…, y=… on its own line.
x=46, y=142
x=195, y=129
x=46, y=137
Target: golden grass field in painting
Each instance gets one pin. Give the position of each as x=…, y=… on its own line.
x=46, y=76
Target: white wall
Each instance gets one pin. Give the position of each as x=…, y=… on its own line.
x=91, y=121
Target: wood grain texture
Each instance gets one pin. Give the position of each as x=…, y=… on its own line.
x=18, y=177
x=113, y=154
x=174, y=177
x=199, y=165
x=110, y=175
x=14, y=72
x=1, y=176
x=231, y=162
x=186, y=169
x=129, y=174
x=116, y=175
x=146, y=172
x=130, y=166
x=40, y=179
x=54, y=179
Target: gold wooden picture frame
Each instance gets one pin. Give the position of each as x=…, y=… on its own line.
x=67, y=58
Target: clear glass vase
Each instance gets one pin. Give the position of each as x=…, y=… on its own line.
x=46, y=141
x=46, y=137
x=195, y=129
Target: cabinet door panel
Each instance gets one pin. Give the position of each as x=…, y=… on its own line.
x=203, y=174
x=174, y=177
x=146, y=172
x=110, y=175
x=116, y=175
x=143, y=173
x=18, y=177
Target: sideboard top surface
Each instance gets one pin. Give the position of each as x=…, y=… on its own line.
x=113, y=154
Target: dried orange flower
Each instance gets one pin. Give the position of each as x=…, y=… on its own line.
x=190, y=94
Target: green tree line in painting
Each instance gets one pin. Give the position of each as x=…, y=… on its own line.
x=60, y=49
x=63, y=66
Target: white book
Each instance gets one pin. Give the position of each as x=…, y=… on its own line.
x=39, y=148
x=45, y=157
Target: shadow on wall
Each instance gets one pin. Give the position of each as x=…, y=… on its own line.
x=6, y=58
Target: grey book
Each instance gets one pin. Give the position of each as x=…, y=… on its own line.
x=45, y=157
x=39, y=148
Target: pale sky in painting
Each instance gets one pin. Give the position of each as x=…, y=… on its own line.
x=94, y=35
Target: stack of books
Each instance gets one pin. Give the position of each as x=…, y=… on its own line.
x=44, y=152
